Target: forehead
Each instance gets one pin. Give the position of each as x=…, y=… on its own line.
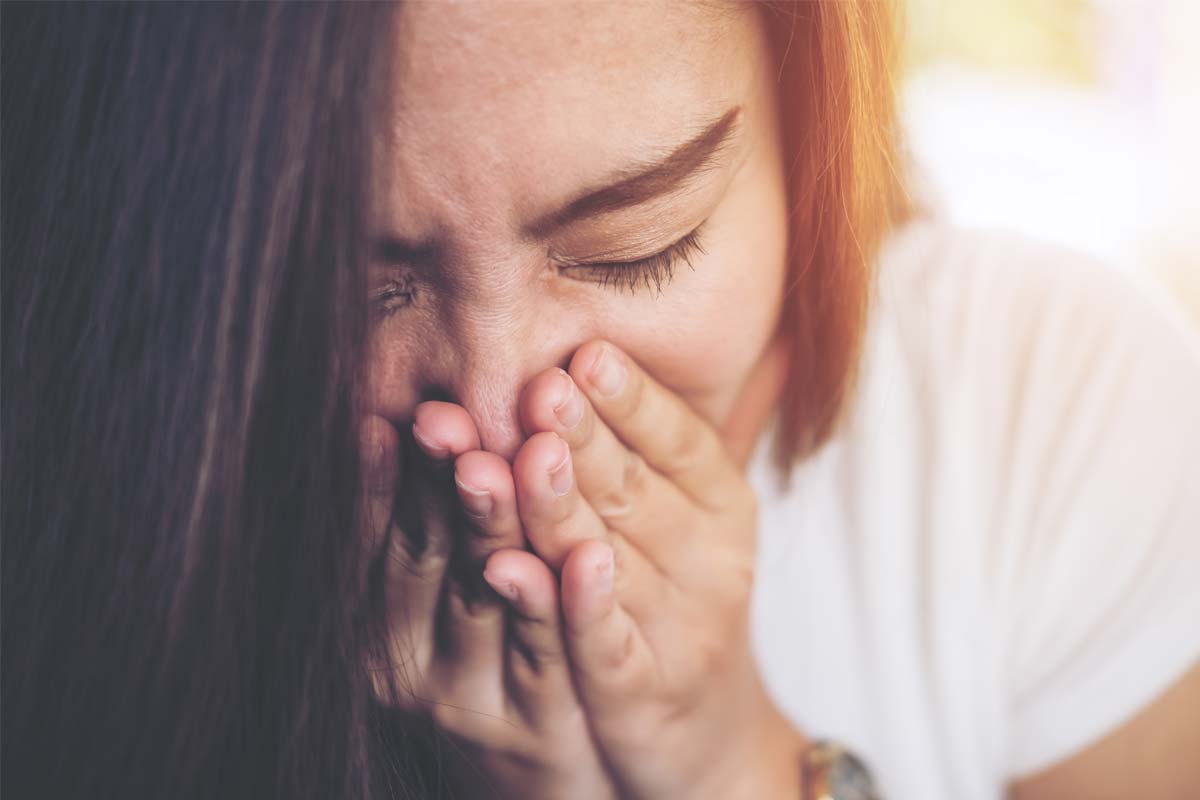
x=505, y=108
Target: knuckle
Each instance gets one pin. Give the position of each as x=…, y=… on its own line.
x=472, y=602
x=634, y=476
x=691, y=448
x=618, y=658
x=621, y=498
x=531, y=666
x=485, y=539
x=404, y=566
x=623, y=579
x=624, y=654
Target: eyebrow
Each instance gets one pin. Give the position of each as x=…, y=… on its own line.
x=630, y=188
x=645, y=183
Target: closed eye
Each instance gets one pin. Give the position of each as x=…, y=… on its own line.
x=393, y=296
x=651, y=273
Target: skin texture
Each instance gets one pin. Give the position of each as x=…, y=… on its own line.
x=508, y=632
x=507, y=113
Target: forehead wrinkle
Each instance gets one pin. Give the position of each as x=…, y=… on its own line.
x=464, y=180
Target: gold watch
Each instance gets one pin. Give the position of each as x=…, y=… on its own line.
x=831, y=772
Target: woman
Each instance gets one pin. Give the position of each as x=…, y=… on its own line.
x=555, y=568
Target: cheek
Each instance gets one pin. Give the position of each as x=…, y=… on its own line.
x=709, y=330
x=699, y=339
x=392, y=387
x=703, y=343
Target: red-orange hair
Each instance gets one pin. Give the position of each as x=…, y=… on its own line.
x=836, y=62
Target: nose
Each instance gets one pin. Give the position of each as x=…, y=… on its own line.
x=489, y=364
x=489, y=388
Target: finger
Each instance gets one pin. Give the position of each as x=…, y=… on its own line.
x=485, y=488
x=441, y=433
x=380, y=458
x=615, y=481
x=606, y=647
x=553, y=514
x=383, y=454
x=444, y=429
x=555, y=524
x=380, y=455
x=538, y=670
x=420, y=534
x=655, y=423
x=556, y=518
x=473, y=626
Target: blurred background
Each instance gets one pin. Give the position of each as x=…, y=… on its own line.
x=1072, y=121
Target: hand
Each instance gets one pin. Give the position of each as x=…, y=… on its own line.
x=633, y=499
x=495, y=680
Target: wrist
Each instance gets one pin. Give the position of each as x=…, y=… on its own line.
x=780, y=773
x=766, y=764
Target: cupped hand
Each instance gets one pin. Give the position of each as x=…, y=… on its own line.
x=633, y=499
x=492, y=673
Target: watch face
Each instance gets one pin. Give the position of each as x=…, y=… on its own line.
x=850, y=779
x=840, y=775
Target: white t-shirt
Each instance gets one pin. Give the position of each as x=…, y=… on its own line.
x=996, y=561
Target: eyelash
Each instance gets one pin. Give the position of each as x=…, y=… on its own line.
x=395, y=295
x=652, y=273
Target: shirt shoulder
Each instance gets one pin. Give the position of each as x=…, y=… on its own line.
x=1059, y=399
x=996, y=554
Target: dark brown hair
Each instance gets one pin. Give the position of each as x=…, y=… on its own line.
x=183, y=189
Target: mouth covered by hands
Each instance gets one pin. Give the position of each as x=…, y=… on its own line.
x=611, y=655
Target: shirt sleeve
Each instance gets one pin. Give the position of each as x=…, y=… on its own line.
x=1100, y=572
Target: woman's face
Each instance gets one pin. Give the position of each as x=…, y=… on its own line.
x=538, y=151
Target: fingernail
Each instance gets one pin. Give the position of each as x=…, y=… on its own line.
x=477, y=502
x=560, y=474
x=431, y=448
x=607, y=372
x=570, y=408
x=605, y=570
x=504, y=588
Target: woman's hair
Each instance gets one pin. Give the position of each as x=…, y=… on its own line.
x=184, y=198
x=837, y=62
x=183, y=275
